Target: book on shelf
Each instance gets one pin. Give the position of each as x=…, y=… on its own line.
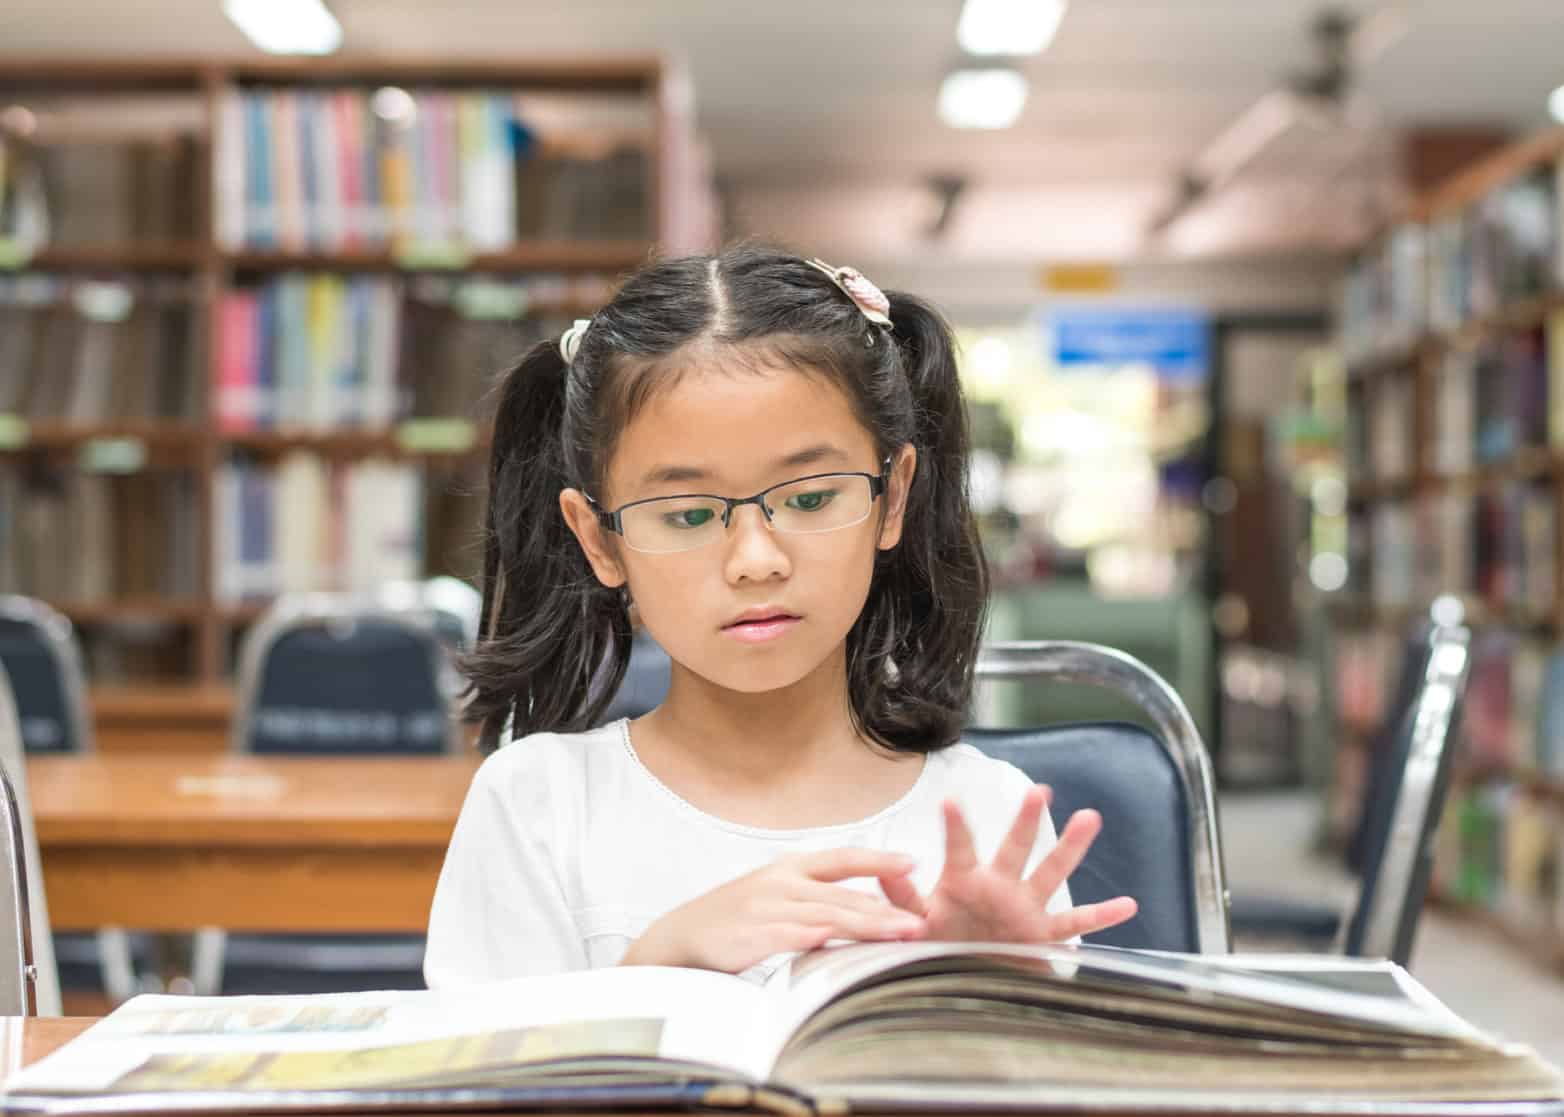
x=1514, y=242
x=309, y=524
x=884, y=1027
x=348, y=168
x=1392, y=442
x=60, y=188
x=75, y=535
x=94, y=351
x=324, y=352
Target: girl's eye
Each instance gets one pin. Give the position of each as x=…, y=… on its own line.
x=689, y=517
x=811, y=502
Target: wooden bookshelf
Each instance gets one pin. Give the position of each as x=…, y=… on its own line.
x=1473, y=378
x=571, y=271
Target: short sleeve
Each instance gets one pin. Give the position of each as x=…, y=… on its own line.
x=499, y=910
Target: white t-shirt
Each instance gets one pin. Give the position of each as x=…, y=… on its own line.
x=568, y=847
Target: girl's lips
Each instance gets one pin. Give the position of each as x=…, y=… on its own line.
x=760, y=630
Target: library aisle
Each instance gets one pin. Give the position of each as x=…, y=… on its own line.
x=1266, y=837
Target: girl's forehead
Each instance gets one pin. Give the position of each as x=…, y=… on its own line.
x=736, y=427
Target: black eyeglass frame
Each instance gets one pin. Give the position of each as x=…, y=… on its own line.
x=877, y=485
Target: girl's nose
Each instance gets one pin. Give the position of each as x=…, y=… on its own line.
x=753, y=553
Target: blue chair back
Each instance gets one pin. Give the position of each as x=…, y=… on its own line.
x=1160, y=842
x=38, y=651
x=328, y=676
x=1143, y=851
x=645, y=684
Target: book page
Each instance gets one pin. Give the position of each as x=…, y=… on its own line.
x=1360, y=991
x=365, y=1040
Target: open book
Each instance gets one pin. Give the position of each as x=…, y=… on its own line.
x=882, y=1027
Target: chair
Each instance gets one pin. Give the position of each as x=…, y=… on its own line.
x=29, y=983
x=39, y=653
x=329, y=674
x=1408, y=782
x=1160, y=842
x=645, y=684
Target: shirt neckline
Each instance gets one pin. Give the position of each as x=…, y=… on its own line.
x=769, y=833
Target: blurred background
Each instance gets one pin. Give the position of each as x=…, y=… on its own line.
x=1260, y=306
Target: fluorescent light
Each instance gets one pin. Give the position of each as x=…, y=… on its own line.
x=1008, y=26
x=990, y=98
x=286, y=26
x=1556, y=104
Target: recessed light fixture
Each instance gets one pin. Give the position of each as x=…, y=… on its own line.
x=1556, y=104
x=982, y=98
x=1008, y=26
x=286, y=26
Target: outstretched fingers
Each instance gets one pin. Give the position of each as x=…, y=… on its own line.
x=960, y=852
x=1090, y=917
x=1011, y=857
x=1067, y=854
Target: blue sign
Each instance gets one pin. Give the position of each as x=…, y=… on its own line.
x=1174, y=342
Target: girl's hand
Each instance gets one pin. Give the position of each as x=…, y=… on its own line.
x=789, y=905
x=973, y=902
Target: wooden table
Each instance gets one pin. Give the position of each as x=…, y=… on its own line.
x=175, y=843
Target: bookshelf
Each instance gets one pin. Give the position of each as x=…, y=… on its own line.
x=250, y=313
x=1452, y=332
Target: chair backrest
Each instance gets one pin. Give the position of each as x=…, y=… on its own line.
x=645, y=684
x=453, y=606
x=325, y=673
x=29, y=983
x=1160, y=841
x=39, y=652
x=1405, y=804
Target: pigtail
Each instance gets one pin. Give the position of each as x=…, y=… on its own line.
x=554, y=641
x=911, y=658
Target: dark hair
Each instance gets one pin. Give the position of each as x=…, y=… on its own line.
x=550, y=627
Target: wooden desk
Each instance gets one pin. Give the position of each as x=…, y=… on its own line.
x=175, y=843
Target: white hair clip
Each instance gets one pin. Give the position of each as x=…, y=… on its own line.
x=571, y=341
x=865, y=295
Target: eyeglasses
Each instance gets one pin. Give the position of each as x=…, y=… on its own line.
x=809, y=505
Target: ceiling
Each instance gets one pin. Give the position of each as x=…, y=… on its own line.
x=821, y=122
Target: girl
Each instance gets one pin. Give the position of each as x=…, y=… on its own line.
x=768, y=457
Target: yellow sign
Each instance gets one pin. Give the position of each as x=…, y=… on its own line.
x=1080, y=279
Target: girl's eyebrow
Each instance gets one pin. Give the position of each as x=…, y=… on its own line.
x=665, y=474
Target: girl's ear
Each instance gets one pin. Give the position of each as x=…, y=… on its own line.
x=897, y=487
x=590, y=533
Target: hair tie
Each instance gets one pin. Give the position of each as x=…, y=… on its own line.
x=855, y=285
x=571, y=341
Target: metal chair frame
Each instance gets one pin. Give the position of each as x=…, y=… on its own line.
x=1389, y=918
x=59, y=639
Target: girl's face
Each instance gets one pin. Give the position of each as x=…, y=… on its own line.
x=732, y=435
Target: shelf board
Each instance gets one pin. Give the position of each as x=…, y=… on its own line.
x=1477, y=613
x=1546, y=787
x=1526, y=314
x=581, y=73
x=1390, y=359
x=1544, y=945
x=170, y=256
x=1369, y=489
x=380, y=442
x=159, y=609
x=163, y=434
x=530, y=256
